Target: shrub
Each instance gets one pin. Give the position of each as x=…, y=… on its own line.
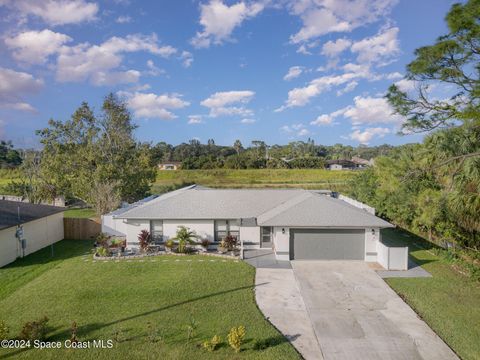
x=205, y=243
x=211, y=345
x=35, y=330
x=4, y=330
x=229, y=242
x=235, y=337
x=101, y=251
x=102, y=239
x=184, y=237
x=170, y=244
x=144, y=239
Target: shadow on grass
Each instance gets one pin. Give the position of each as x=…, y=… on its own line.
x=86, y=329
x=62, y=250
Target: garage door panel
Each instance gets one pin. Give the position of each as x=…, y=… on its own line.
x=327, y=244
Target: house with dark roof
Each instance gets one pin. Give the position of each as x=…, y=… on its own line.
x=294, y=223
x=26, y=228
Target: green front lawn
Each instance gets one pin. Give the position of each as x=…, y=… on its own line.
x=449, y=302
x=145, y=306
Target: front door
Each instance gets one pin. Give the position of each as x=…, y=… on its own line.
x=266, y=237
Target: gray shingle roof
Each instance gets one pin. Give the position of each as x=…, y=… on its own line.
x=9, y=211
x=271, y=207
x=314, y=210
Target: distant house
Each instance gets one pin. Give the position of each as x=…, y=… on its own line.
x=26, y=228
x=172, y=165
x=361, y=163
x=341, y=164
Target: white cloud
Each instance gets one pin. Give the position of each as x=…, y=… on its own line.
x=371, y=110
x=55, y=12
x=295, y=129
x=219, y=20
x=248, y=121
x=327, y=16
x=154, y=106
x=301, y=96
x=322, y=120
x=405, y=85
x=228, y=103
x=350, y=87
x=187, y=58
x=14, y=85
x=380, y=49
x=368, y=134
x=35, y=47
x=195, y=119
x=124, y=19
x=153, y=69
x=98, y=64
x=293, y=72
x=334, y=48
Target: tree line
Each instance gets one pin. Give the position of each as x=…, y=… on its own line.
x=434, y=187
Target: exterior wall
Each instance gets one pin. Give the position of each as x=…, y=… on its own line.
x=281, y=243
x=392, y=258
x=250, y=236
x=335, y=167
x=38, y=234
x=113, y=226
x=203, y=228
x=133, y=228
x=371, y=240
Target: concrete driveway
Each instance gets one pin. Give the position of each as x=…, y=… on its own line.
x=344, y=310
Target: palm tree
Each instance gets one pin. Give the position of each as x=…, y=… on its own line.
x=184, y=237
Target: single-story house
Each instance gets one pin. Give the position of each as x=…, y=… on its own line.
x=172, y=165
x=26, y=228
x=341, y=164
x=295, y=223
x=362, y=163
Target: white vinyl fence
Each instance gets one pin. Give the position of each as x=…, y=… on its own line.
x=358, y=204
x=392, y=258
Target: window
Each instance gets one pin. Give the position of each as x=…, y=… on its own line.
x=156, y=230
x=226, y=227
x=266, y=234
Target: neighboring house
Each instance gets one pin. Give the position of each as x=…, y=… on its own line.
x=26, y=228
x=362, y=163
x=340, y=165
x=58, y=201
x=295, y=223
x=173, y=165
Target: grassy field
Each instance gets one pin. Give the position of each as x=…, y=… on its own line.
x=304, y=178
x=449, y=301
x=145, y=306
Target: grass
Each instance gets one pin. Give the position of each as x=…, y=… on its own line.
x=146, y=306
x=448, y=302
x=84, y=213
x=304, y=178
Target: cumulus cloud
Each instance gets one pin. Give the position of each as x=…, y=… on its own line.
x=301, y=96
x=295, y=129
x=379, y=49
x=371, y=110
x=99, y=64
x=124, y=19
x=228, y=103
x=55, y=12
x=327, y=119
x=405, y=85
x=293, y=72
x=334, y=48
x=248, y=121
x=323, y=17
x=195, y=119
x=187, y=59
x=152, y=105
x=14, y=86
x=35, y=47
x=368, y=134
x=219, y=20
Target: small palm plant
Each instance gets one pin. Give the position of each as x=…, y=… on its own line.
x=184, y=237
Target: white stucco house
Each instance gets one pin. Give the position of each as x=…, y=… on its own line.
x=295, y=223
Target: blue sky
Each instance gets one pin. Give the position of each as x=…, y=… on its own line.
x=277, y=71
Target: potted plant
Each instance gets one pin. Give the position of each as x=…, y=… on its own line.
x=185, y=237
x=205, y=243
x=169, y=245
